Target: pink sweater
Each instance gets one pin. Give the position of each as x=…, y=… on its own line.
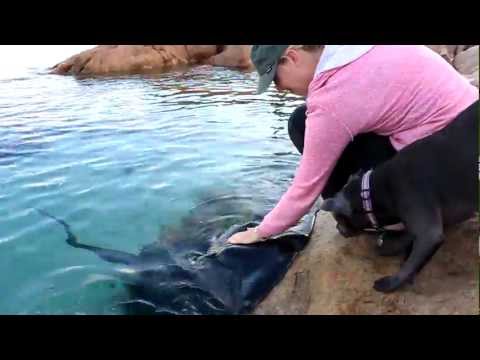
x=404, y=92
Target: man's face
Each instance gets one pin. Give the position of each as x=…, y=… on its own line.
x=295, y=71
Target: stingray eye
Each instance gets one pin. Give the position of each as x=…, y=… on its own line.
x=192, y=258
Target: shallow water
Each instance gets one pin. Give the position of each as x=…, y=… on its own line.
x=122, y=160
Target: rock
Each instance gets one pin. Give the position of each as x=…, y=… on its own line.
x=236, y=56
x=448, y=52
x=335, y=275
x=138, y=59
x=464, y=58
x=466, y=62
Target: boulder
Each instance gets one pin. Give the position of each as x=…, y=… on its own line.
x=233, y=56
x=139, y=59
x=464, y=58
x=466, y=62
x=448, y=52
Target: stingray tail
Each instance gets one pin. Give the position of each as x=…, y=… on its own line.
x=113, y=256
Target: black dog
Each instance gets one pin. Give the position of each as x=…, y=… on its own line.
x=429, y=185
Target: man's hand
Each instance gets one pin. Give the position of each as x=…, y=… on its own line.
x=248, y=236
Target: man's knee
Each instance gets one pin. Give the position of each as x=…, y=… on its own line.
x=296, y=122
x=296, y=127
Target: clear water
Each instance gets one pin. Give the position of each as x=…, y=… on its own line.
x=121, y=160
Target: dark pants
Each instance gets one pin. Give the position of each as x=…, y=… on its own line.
x=364, y=152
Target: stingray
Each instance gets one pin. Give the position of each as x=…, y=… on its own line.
x=208, y=277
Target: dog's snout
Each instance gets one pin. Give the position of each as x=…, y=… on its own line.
x=345, y=231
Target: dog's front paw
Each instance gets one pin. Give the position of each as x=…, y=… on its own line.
x=387, y=284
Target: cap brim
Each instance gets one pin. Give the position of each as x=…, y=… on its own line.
x=265, y=80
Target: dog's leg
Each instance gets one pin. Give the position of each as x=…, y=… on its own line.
x=426, y=228
x=394, y=243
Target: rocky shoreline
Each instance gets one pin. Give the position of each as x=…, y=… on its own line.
x=139, y=59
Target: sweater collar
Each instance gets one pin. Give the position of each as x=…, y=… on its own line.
x=334, y=56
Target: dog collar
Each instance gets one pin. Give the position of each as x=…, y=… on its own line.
x=367, y=199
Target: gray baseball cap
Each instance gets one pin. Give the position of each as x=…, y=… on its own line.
x=265, y=58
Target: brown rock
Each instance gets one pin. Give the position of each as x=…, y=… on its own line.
x=236, y=56
x=137, y=59
x=335, y=275
x=463, y=58
x=466, y=62
x=448, y=52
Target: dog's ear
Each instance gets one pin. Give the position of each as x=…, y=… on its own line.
x=338, y=205
x=328, y=205
x=357, y=175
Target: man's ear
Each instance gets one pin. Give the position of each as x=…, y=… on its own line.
x=292, y=55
